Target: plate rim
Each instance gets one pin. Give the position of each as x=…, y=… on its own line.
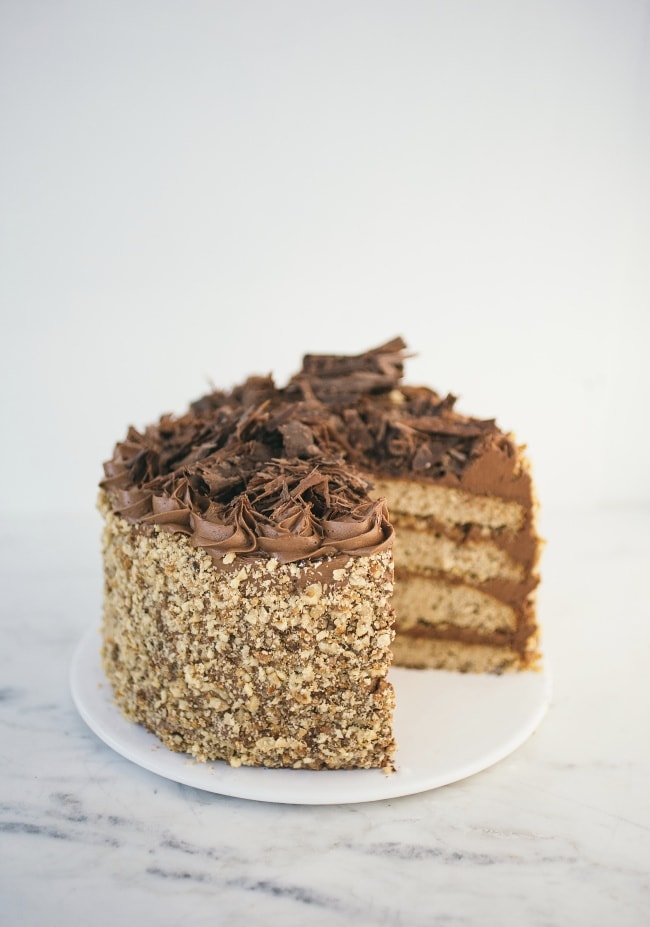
x=352, y=786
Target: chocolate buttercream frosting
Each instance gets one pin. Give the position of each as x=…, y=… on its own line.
x=280, y=472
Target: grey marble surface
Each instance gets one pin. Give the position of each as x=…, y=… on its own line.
x=556, y=834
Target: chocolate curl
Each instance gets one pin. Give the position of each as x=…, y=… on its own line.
x=441, y=425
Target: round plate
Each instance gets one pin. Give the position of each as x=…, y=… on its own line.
x=447, y=725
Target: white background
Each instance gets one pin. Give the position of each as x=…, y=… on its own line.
x=194, y=191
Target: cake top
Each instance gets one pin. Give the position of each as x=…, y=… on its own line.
x=284, y=472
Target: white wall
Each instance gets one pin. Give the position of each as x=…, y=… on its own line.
x=195, y=191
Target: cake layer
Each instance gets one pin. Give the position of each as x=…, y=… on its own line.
x=448, y=505
x=255, y=662
x=419, y=552
x=422, y=653
x=434, y=602
x=522, y=546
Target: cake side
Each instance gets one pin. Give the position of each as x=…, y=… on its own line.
x=249, y=660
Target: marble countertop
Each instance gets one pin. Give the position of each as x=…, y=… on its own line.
x=558, y=833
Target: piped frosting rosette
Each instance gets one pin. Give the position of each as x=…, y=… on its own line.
x=266, y=471
x=291, y=510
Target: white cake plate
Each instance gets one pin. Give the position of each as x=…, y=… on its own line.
x=447, y=725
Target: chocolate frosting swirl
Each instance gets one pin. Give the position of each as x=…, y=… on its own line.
x=278, y=472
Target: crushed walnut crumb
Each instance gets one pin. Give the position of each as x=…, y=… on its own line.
x=261, y=664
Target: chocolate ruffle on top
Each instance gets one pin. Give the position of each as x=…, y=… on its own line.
x=288, y=509
x=262, y=470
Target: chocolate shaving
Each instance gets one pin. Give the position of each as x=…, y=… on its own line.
x=298, y=440
x=278, y=469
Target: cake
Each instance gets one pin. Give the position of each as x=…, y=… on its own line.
x=269, y=553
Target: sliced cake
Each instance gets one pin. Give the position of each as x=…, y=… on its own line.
x=248, y=555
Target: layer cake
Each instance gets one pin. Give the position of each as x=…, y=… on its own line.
x=249, y=611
